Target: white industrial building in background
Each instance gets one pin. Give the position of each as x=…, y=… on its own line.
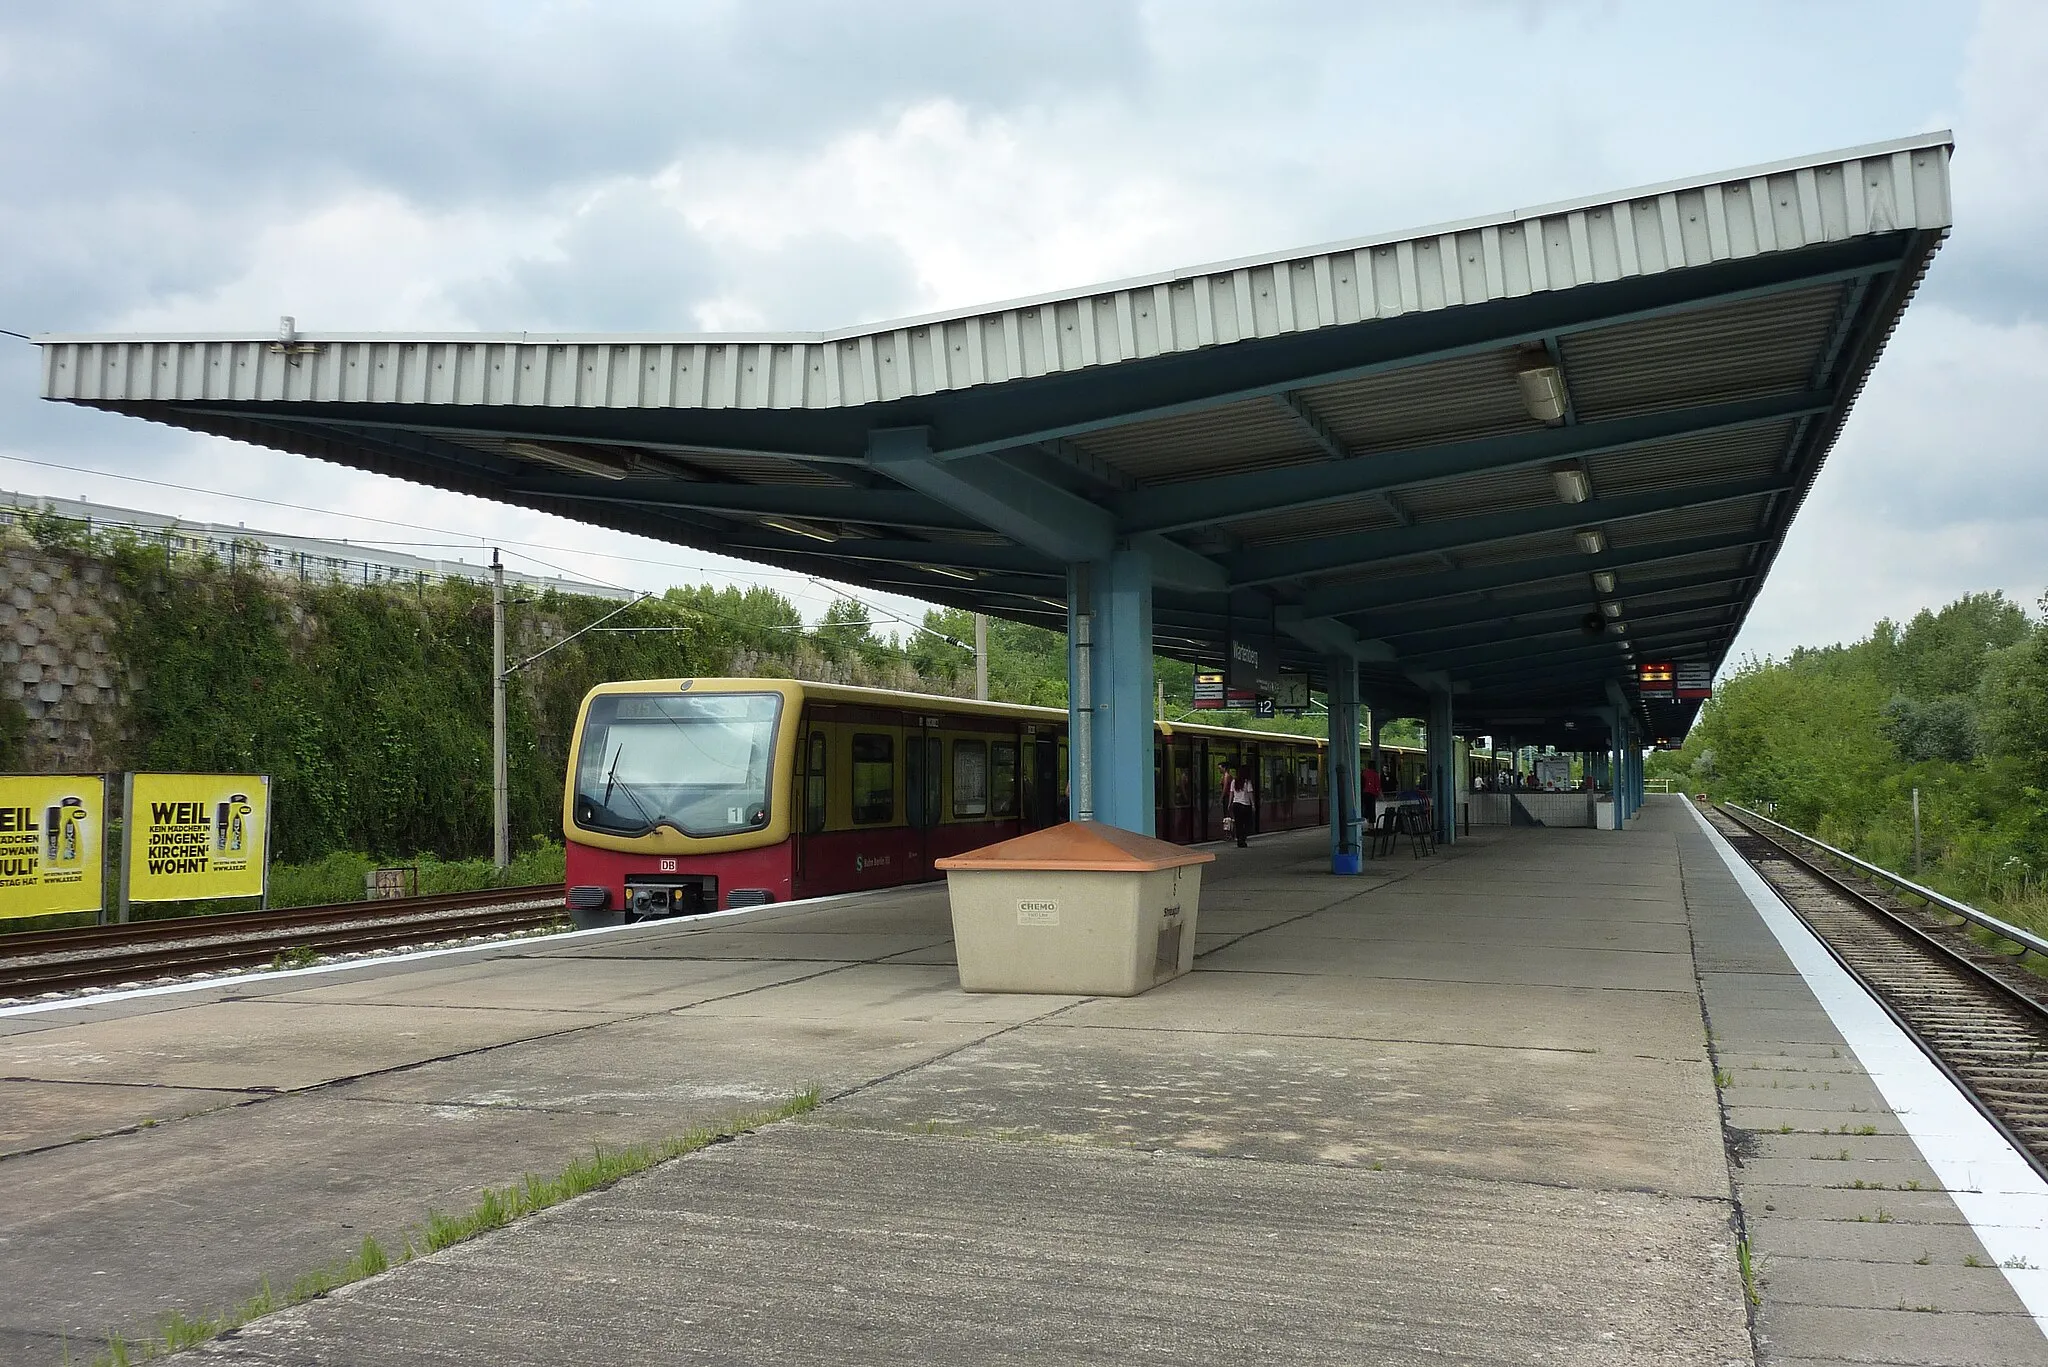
x=292, y=557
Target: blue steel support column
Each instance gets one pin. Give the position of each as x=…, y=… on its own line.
x=1442, y=781
x=1615, y=746
x=1109, y=619
x=1346, y=800
x=1635, y=773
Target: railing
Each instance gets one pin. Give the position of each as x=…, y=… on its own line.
x=1984, y=920
x=1666, y=786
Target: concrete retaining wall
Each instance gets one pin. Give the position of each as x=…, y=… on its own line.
x=57, y=659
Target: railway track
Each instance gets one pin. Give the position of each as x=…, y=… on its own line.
x=1980, y=1017
x=108, y=956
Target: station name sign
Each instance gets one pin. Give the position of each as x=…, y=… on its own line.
x=1252, y=666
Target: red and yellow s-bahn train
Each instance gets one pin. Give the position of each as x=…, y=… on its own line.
x=692, y=795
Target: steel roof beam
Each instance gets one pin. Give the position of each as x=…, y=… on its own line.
x=1482, y=664
x=963, y=555
x=1297, y=407
x=1343, y=600
x=1193, y=382
x=1398, y=626
x=1328, y=636
x=1298, y=559
x=880, y=507
x=1590, y=654
x=1485, y=615
x=1476, y=637
x=1198, y=503
x=1061, y=526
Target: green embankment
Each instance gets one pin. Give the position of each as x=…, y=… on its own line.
x=369, y=706
x=1953, y=703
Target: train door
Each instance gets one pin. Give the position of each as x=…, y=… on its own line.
x=1250, y=765
x=1162, y=779
x=1181, y=796
x=1040, y=771
x=814, y=772
x=923, y=785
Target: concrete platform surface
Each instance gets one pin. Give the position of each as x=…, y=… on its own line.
x=1456, y=1109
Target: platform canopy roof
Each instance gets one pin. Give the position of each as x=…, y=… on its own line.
x=1517, y=455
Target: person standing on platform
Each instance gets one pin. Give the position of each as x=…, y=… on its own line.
x=1244, y=804
x=1369, y=792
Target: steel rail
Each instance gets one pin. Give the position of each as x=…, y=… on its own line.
x=1962, y=1074
x=248, y=922
x=203, y=949
x=1985, y=920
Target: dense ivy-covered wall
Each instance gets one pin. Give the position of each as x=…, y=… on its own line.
x=371, y=706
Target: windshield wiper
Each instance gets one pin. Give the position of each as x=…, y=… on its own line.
x=611, y=780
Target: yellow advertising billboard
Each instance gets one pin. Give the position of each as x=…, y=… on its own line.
x=196, y=835
x=50, y=843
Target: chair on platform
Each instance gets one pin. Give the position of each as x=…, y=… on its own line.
x=1420, y=824
x=1386, y=829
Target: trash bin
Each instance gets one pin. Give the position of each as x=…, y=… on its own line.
x=1080, y=909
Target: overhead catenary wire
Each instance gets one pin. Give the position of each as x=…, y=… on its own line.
x=903, y=621
x=473, y=539
x=470, y=539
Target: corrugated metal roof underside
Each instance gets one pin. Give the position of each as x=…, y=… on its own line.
x=1748, y=451
x=1756, y=347
x=1256, y=434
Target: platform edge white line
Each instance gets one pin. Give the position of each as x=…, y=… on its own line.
x=721, y=919
x=1987, y=1179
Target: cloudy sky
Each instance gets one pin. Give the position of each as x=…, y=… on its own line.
x=688, y=167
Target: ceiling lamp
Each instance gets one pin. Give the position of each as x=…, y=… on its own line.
x=1611, y=608
x=1571, y=484
x=804, y=529
x=950, y=573
x=1542, y=392
x=1591, y=540
x=576, y=462
x=1603, y=580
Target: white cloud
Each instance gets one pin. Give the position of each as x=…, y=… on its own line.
x=704, y=167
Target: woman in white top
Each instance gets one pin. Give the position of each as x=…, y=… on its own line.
x=1243, y=800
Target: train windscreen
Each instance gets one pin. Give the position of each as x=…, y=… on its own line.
x=700, y=763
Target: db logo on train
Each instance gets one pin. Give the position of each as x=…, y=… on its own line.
x=668, y=866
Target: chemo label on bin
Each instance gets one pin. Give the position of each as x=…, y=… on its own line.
x=1038, y=913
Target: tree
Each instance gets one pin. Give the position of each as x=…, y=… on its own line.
x=1942, y=728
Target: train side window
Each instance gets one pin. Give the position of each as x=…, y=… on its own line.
x=814, y=786
x=1002, y=779
x=970, y=777
x=874, y=779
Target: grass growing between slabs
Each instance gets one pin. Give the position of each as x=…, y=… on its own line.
x=494, y=1209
